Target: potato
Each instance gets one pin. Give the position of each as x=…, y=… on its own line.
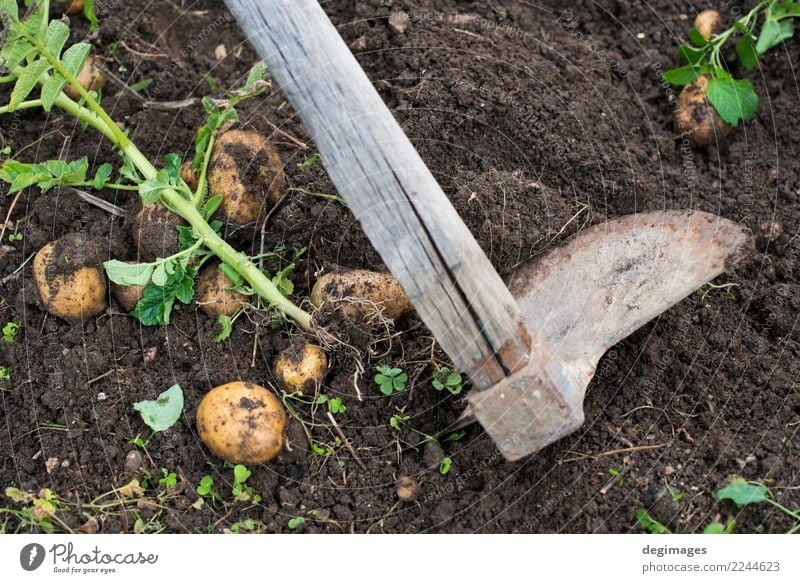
x=407, y=488
x=247, y=172
x=70, y=278
x=189, y=175
x=361, y=293
x=72, y=7
x=708, y=23
x=696, y=118
x=213, y=296
x=127, y=295
x=301, y=369
x=88, y=77
x=155, y=232
x=242, y=423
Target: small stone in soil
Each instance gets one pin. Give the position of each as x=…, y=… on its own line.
x=399, y=21
x=133, y=462
x=433, y=455
x=407, y=488
x=51, y=464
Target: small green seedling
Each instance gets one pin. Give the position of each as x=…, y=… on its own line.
x=246, y=525
x=444, y=378
x=743, y=493
x=445, y=465
x=615, y=473
x=705, y=291
x=169, y=479
x=10, y=331
x=296, y=522
x=455, y=436
x=241, y=491
x=649, y=523
x=15, y=237
x=718, y=528
x=390, y=380
x=335, y=404
x=766, y=26
x=399, y=419
x=309, y=162
x=205, y=489
x=5, y=374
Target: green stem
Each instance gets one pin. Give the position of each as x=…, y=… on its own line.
x=95, y=116
x=202, y=182
x=780, y=506
x=23, y=105
x=114, y=185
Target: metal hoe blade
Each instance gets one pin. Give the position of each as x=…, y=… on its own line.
x=584, y=297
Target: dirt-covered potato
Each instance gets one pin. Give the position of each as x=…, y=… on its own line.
x=70, y=278
x=246, y=170
x=242, y=423
x=213, y=296
x=696, y=118
x=189, y=175
x=708, y=23
x=361, y=292
x=301, y=369
x=89, y=78
x=407, y=488
x=155, y=231
x=127, y=295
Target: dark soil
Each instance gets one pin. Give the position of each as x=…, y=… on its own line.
x=536, y=125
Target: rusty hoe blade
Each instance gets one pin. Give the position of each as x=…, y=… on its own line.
x=584, y=297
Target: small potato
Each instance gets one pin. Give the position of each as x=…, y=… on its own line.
x=189, y=175
x=72, y=7
x=242, y=423
x=88, y=77
x=213, y=296
x=361, y=293
x=407, y=488
x=127, y=295
x=247, y=172
x=696, y=118
x=707, y=23
x=155, y=232
x=301, y=370
x=69, y=275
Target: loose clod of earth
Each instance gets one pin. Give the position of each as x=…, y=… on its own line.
x=244, y=167
x=696, y=118
x=214, y=294
x=361, y=293
x=301, y=370
x=69, y=276
x=242, y=423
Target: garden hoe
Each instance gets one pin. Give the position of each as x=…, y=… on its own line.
x=530, y=348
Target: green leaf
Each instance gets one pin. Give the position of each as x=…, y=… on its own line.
x=690, y=55
x=160, y=275
x=773, y=33
x=742, y=493
x=257, y=73
x=714, y=528
x=733, y=99
x=201, y=141
x=26, y=82
x=10, y=8
x=150, y=190
x=90, y=14
x=445, y=465
x=649, y=523
x=697, y=38
x=74, y=57
x=682, y=75
x=56, y=36
x=296, y=522
x=123, y=273
x=745, y=49
x=211, y=206
x=164, y=412
x=102, y=176
x=240, y=474
x=226, y=323
x=172, y=166
x=154, y=307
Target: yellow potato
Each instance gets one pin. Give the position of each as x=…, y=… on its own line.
x=69, y=275
x=155, y=232
x=696, y=118
x=242, y=423
x=127, y=295
x=213, y=296
x=189, y=175
x=361, y=293
x=707, y=23
x=88, y=77
x=247, y=172
x=72, y=7
x=301, y=370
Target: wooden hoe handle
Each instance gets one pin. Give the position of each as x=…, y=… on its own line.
x=387, y=186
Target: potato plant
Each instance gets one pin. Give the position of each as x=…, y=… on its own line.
x=705, y=74
x=43, y=70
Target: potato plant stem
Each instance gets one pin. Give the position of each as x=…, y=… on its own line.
x=202, y=184
x=94, y=115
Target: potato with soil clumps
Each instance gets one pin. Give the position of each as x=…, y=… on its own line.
x=708, y=23
x=361, y=293
x=155, y=232
x=301, y=369
x=696, y=118
x=127, y=295
x=246, y=171
x=88, y=77
x=242, y=423
x=214, y=298
x=69, y=275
